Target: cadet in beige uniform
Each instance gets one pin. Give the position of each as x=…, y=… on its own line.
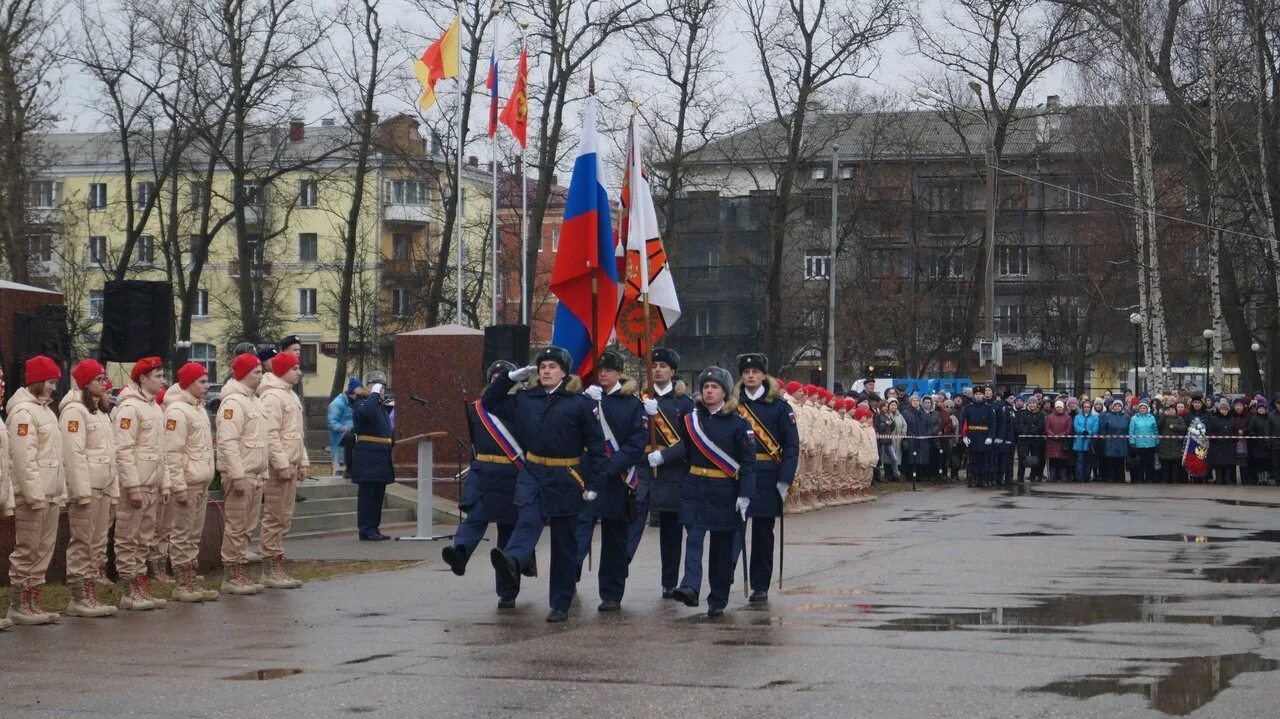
x=88, y=451
x=158, y=554
x=242, y=462
x=289, y=465
x=39, y=486
x=144, y=480
x=188, y=454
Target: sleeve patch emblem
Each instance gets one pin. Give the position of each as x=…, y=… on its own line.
x=22, y=430
x=125, y=423
x=170, y=424
x=228, y=413
x=73, y=426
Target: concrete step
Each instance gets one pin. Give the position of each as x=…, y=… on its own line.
x=341, y=521
x=332, y=505
x=321, y=490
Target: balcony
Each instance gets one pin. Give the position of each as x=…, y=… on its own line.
x=255, y=214
x=259, y=269
x=411, y=214
x=45, y=215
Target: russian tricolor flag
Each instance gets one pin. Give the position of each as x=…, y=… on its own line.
x=586, y=251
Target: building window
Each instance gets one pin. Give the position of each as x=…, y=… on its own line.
x=555, y=239
x=708, y=269
x=97, y=196
x=306, y=302
x=144, y=193
x=946, y=197
x=817, y=266
x=252, y=194
x=307, y=360
x=402, y=246
x=44, y=194
x=40, y=248
x=97, y=250
x=1011, y=319
x=943, y=266
x=308, y=247
x=95, y=304
x=199, y=195
x=408, y=192
x=202, y=304
x=400, y=303
x=1012, y=261
x=146, y=249
x=204, y=353
x=308, y=193
x=1074, y=260
x=702, y=322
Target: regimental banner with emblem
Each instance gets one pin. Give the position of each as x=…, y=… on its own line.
x=642, y=260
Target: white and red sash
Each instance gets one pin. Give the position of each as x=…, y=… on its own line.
x=611, y=447
x=713, y=452
x=500, y=434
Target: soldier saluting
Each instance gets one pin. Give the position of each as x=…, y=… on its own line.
x=777, y=454
x=556, y=425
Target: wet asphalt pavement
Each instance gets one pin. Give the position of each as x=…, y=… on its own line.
x=1089, y=600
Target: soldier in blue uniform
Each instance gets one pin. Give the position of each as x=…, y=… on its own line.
x=980, y=426
x=777, y=454
x=1008, y=438
x=490, y=490
x=666, y=403
x=717, y=493
x=556, y=425
x=371, y=457
x=622, y=419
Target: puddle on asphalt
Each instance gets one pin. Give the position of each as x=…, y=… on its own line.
x=928, y=515
x=1267, y=535
x=1192, y=683
x=1247, y=503
x=1032, y=534
x=1251, y=571
x=264, y=674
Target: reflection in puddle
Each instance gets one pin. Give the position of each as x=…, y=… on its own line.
x=1193, y=682
x=264, y=674
x=1252, y=571
x=1266, y=535
x=1247, y=503
x=1032, y=534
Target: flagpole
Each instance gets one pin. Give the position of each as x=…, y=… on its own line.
x=524, y=210
x=493, y=152
x=647, y=343
x=457, y=192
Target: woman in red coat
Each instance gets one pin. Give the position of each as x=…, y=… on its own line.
x=1057, y=429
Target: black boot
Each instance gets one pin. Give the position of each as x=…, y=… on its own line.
x=507, y=568
x=456, y=557
x=686, y=595
x=758, y=597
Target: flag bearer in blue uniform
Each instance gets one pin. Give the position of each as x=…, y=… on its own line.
x=622, y=420
x=979, y=430
x=488, y=496
x=564, y=464
x=666, y=402
x=777, y=454
x=717, y=493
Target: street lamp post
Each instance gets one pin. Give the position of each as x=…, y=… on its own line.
x=831, y=273
x=1136, y=319
x=1208, y=357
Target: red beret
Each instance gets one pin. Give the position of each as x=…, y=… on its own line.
x=145, y=365
x=243, y=364
x=810, y=389
x=848, y=404
x=41, y=368
x=862, y=413
x=282, y=363
x=190, y=372
x=793, y=387
x=85, y=371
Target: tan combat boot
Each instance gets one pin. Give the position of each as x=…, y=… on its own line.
x=84, y=603
x=132, y=594
x=91, y=595
x=274, y=576
x=159, y=571
x=37, y=606
x=20, y=611
x=101, y=577
x=146, y=592
x=184, y=589
x=236, y=583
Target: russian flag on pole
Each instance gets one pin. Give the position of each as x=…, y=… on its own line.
x=585, y=251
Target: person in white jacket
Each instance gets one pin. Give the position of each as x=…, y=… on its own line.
x=288, y=465
x=144, y=480
x=188, y=454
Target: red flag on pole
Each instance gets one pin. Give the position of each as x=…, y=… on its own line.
x=516, y=114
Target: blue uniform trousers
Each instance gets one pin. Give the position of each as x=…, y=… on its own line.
x=635, y=530
x=468, y=536
x=761, y=559
x=369, y=496
x=670, y=541
x=982, y=462
x=719, y=565
x=614, y=561
x=564, y=550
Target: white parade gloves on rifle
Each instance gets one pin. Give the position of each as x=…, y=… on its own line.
x=594, y=392
x=782, y=490
x=656, y=458
x=742, y=504
x=651, y=407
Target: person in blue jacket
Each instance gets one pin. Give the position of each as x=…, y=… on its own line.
x=717, y=493
x=372, y=469
x=489, y=493
x=339, y=420
x=623, y=413
x=1085, y=426
x=564, y=465
x=666, y=403
x=1114, y=428
x=777, y=440
x=1143, y=438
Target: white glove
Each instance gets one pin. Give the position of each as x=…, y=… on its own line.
x=999, y=441
x=651, y=407
x=967, y=441
x=519, y=375
x=594, y=392
x=742, y=504
x=656, y=458
x=590, y=496
x=988, y=441
x=782, y=490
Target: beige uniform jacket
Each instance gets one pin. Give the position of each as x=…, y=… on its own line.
x=242, y=436
x=139, y=428
x=35, y=446
x=188, y=440
x=88, y=450
x=6, y=474
x=284, y=413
